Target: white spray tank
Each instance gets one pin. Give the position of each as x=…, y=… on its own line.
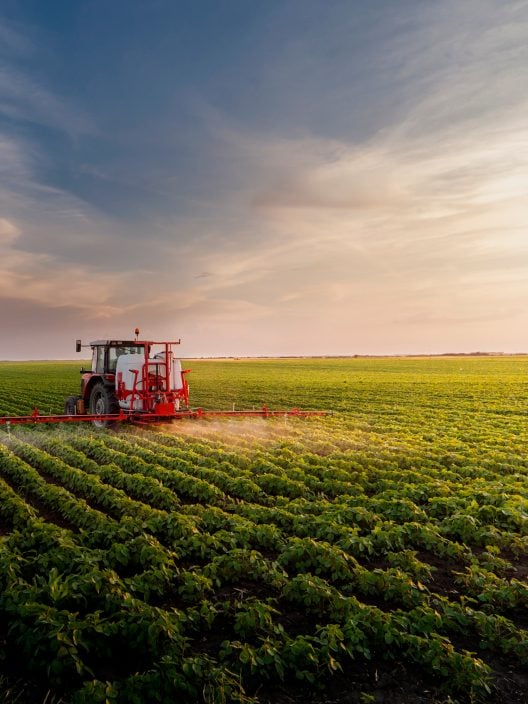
x=129, y=371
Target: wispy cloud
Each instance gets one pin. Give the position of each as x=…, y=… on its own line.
x=14, y=42
x=25, y=98
x=409, y=236
x=22, y=98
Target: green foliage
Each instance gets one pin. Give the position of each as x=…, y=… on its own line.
x=196, y=563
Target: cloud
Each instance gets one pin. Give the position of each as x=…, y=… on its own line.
x=26, y=99
x=415, y=226
x=8, y=231
x=15, y=161
x=14, y=41
x=421, y=225
x=357, y=179
x=21, y=98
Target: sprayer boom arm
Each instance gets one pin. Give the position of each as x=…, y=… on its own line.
x=151, y=418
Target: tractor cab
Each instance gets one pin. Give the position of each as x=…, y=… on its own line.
x=105, y=354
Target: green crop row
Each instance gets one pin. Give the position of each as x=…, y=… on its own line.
x=249, y=560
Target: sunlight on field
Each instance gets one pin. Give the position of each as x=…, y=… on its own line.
x=380, y=549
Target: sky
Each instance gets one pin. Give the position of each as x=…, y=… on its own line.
x=289, y=177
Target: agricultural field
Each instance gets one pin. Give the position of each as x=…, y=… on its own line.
x=378, y=554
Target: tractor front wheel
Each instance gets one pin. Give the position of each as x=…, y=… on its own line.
x=103, y=402
x=70, y=406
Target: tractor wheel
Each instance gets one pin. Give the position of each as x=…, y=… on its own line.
x=70, y=406
x=102, y=402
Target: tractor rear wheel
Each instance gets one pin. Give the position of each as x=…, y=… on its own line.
x=103, y=402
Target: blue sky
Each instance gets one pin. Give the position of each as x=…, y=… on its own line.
x=291, y=177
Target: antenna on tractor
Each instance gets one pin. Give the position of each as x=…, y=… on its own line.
x=136, y=331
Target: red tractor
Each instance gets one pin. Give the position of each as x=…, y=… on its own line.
x=130, y=378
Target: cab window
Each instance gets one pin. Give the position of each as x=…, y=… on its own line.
x=98, y=360
x=115, y=352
